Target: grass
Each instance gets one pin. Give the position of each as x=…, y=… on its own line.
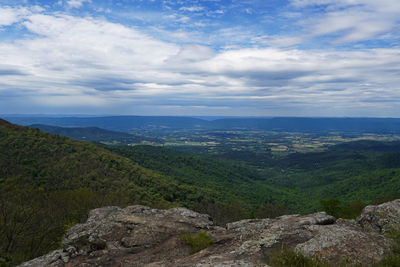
x=286, y=257
x=196, y=242
x=290, y=258
x=392, y=259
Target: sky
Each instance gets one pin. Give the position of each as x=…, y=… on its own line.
x=329, y=58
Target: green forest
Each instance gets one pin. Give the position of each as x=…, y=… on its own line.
x=49, y=182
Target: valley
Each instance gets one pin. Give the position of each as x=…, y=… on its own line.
x=278, y=142
x=230, y=174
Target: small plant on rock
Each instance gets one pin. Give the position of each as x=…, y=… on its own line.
x=196, y=242
x=286, y=257
x=393, y=258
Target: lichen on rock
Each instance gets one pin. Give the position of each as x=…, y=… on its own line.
x=142, y=236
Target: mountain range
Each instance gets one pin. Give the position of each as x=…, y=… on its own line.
x=130, y=123
x=63, y=179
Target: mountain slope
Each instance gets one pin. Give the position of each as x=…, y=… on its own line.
x=53, y=163
x=49, y=182
x=371, y=125
x=118, y=123
x=94, y=134
x=235, y=182
x=290, y=124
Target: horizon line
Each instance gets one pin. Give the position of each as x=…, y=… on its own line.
x=186, y=116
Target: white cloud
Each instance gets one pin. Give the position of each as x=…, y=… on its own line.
x=77, y=3
x=9, y=15
x=219, y=11
x=192, y=8
x=78, y=62
x=80, y=57
x=304, y=3
x=349, y=20
x=277, y=41
x=191, y=53
x=248, y=11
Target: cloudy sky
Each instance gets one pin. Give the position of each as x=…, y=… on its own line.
x=200, y=57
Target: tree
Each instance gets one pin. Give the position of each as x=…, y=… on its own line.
x=331, y=206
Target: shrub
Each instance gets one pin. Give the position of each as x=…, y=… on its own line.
x=290, y=258
x=332, y=207
x=285, y=258
x=393, y=258
x=335, y=208
x=196, y=242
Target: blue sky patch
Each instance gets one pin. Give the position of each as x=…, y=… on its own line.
x=200, y=57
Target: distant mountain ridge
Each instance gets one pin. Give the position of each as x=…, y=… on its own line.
x=63, y=178
x=119, y=123
x=290, y=124
x=93, y=134
x=54, y=162
x=372, y=125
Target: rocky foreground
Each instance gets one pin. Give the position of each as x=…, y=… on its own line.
x=141, y=236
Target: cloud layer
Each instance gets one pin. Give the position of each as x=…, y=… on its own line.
x=81, y=63
x=350, y=20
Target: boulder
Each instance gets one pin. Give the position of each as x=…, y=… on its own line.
x=382, y=218
x=142, y=236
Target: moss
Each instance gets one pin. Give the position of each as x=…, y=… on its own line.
x=5, y=261
x=82, y=241
x=196, y=242
x=285, y=257
x=393, y=258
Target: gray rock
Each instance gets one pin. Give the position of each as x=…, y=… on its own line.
x=141, y=236
x=382, y=218
x=344, y=242
x=53, y=259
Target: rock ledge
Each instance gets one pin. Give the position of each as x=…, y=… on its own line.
x=141, y=236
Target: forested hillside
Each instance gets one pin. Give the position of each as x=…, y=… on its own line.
x=49, y=182
x=242, y=192
x=118, y=123
x=363, y=172
x=94, y=134
x=51, y=162
x=291, y=124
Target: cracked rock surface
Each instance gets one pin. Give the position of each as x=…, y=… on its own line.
x=141, y=236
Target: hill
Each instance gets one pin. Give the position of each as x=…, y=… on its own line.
x=298, y=124
x=351, y=172
x=362, y=171
x=115, y=123
x=63, y=179
x=53, y=162
x=240, y=186
x=49, y=182
x=290, y=124
x=95, y=134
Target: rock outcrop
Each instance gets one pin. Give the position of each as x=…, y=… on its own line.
x=383, y=218
x=141, y=236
